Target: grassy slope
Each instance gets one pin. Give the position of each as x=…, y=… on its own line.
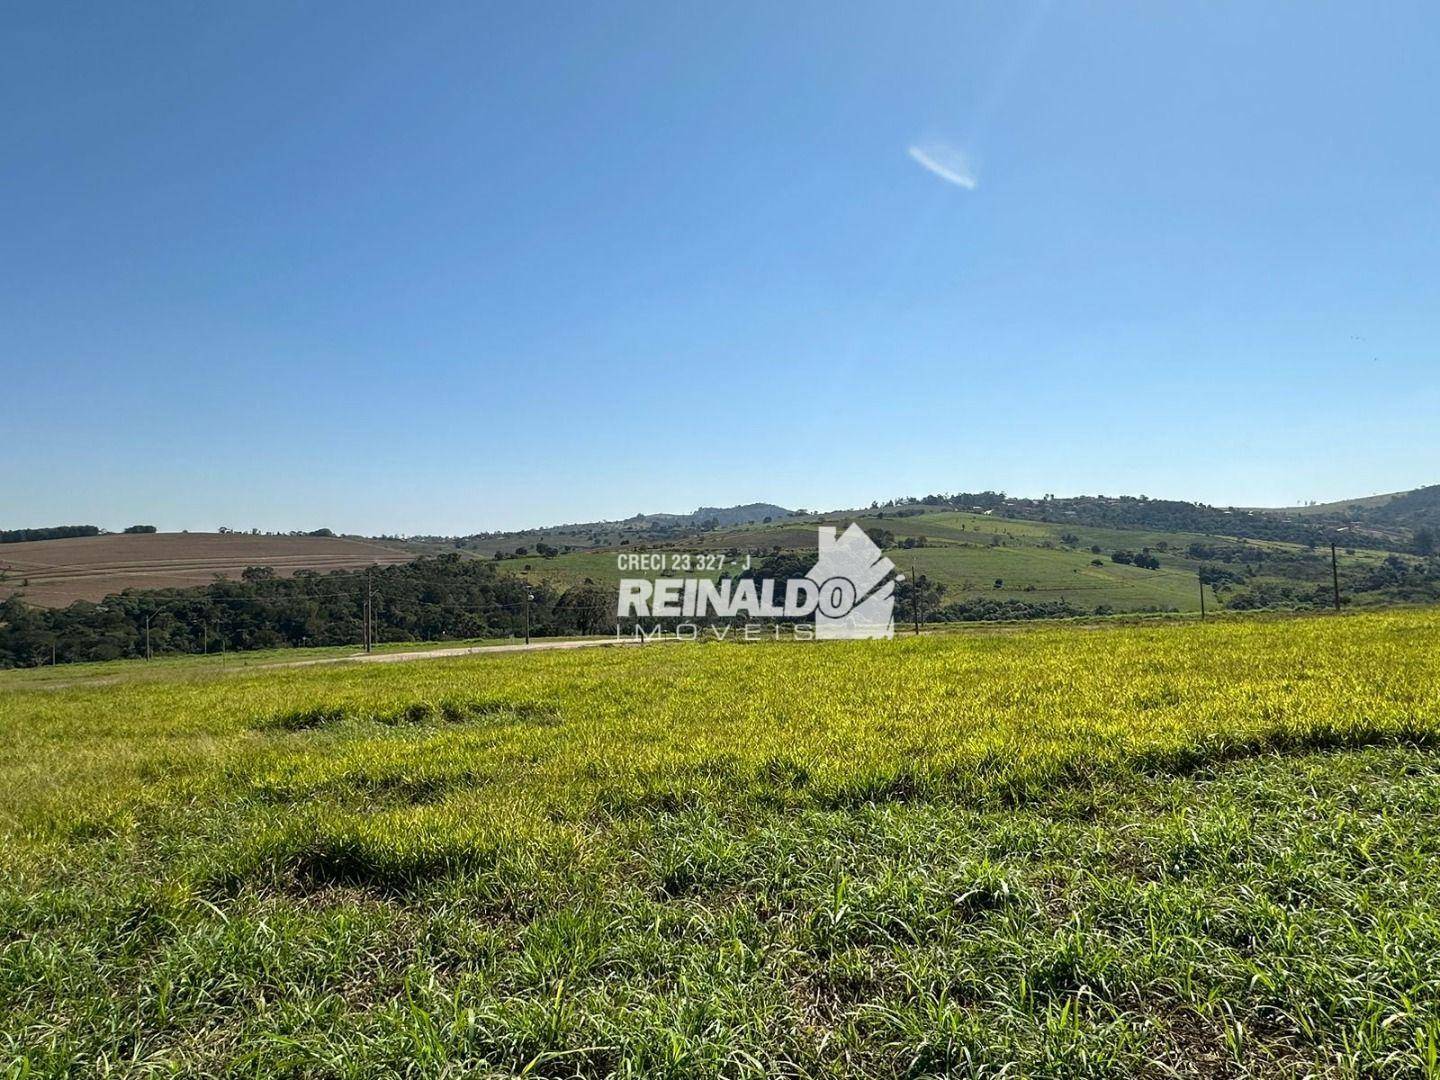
x=968, y=553
x=1198, y=848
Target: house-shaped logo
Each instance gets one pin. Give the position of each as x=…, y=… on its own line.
x=857, y=595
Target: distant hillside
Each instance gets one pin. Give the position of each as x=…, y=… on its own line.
x=1409, y=509
x=1342, y=506
x=52, y=573
x=715, y=516
x=1381, y=522
x=748, y=514
x=1418, y=508
x=1025, y=558
x=1386, y=523
x=586, y=535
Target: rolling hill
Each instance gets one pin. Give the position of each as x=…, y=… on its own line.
x=53, y=573
x=580, y=536
x=1417, y=508
x=978, y=556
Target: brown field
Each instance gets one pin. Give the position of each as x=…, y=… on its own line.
x=53, y=573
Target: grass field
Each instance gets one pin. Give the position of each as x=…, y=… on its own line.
x=53, y=573
x=1182, y=849
x=1185, y=848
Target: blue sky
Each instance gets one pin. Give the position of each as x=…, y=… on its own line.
x=440, y=268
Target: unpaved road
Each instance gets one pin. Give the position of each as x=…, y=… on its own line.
x=469, y=650
x=358, y=658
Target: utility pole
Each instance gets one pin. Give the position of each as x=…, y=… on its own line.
x=148, y=655
x=369, y=601
x=915, y=588
x=1202, y=596
x=528, y=598
x=1335, y=573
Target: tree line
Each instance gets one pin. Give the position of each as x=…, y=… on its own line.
x=53, y=532
x=431, y=599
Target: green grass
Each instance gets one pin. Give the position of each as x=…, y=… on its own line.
x=1178, y=849
x=1035, y=573
x=567, y=570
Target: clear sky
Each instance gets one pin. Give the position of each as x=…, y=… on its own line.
x=451, y=267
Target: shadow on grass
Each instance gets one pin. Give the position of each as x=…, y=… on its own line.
x=444, y=711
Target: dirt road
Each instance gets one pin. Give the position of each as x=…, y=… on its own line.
x=469, y=650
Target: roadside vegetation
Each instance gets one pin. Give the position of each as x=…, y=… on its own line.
x=1184, y=849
